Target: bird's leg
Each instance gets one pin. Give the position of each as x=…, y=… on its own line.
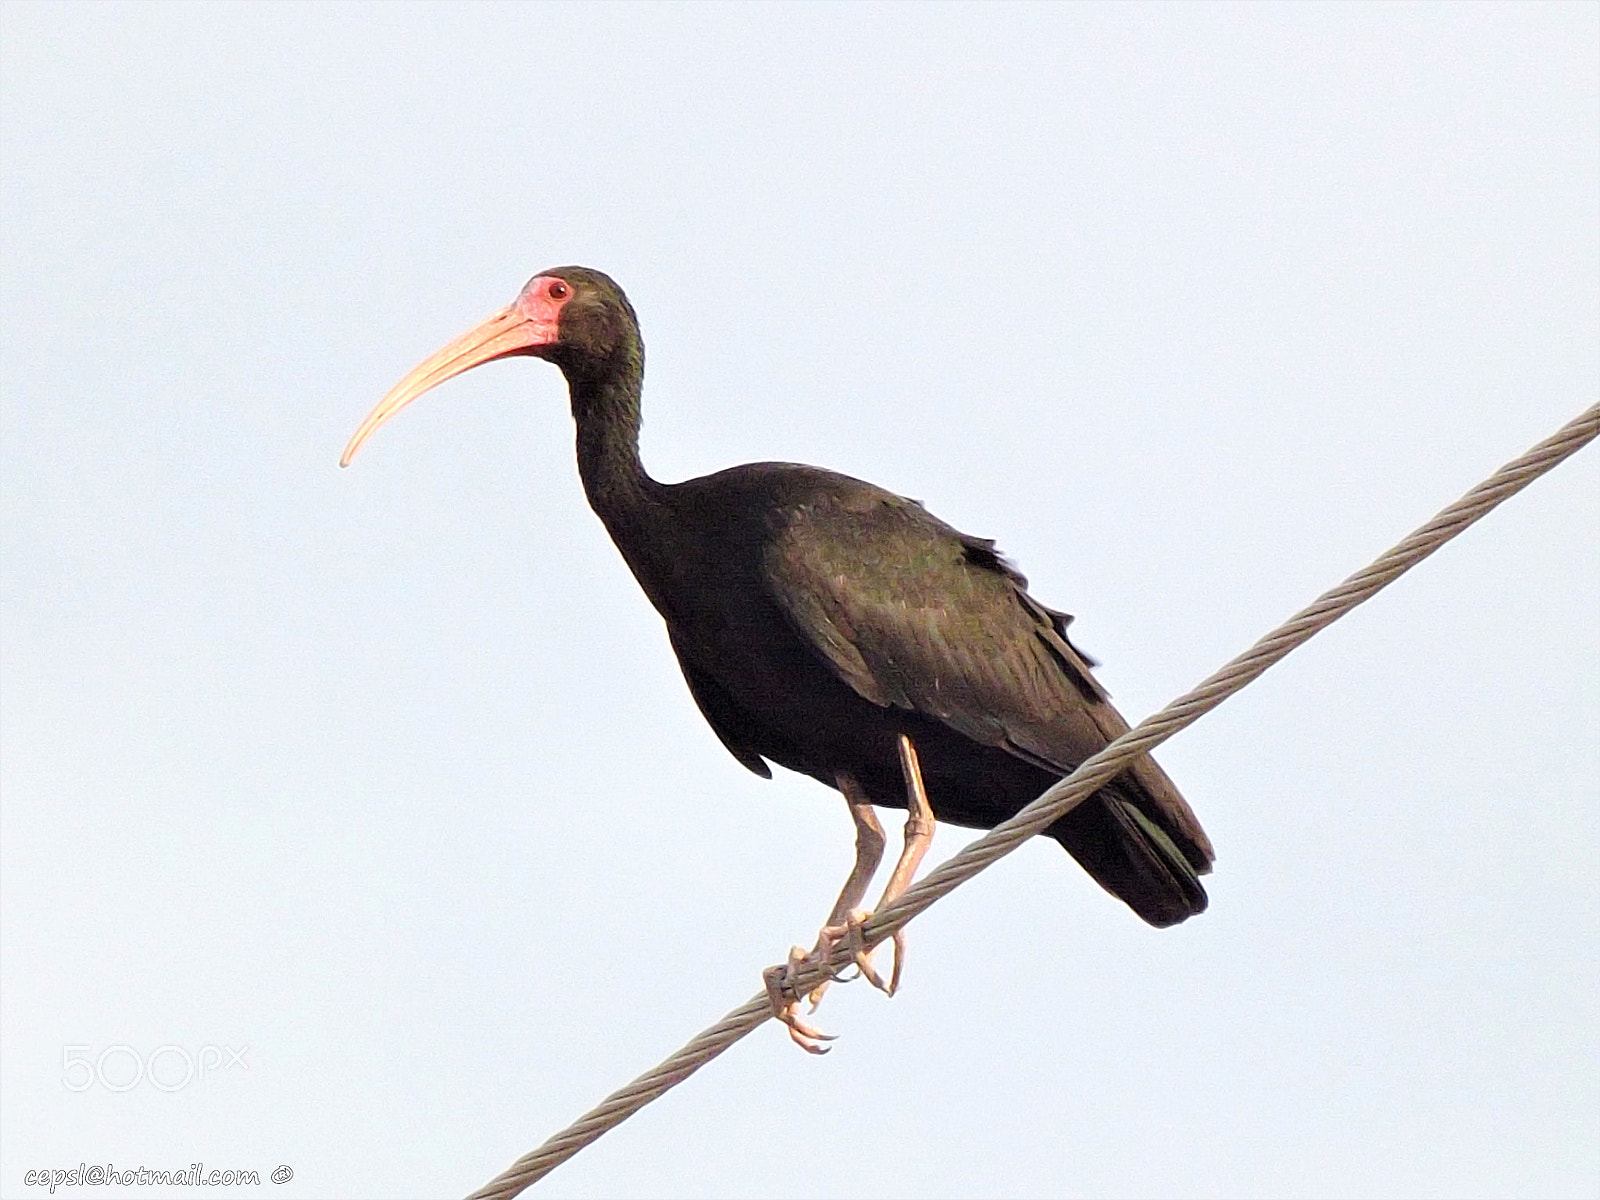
x=847, y=918
x=919, y=834
x=846, y=915
x=869, y=853
x=869, y=849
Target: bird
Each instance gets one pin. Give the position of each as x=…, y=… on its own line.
x=843, y=632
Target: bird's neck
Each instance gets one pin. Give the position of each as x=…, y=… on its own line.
x=621, y=492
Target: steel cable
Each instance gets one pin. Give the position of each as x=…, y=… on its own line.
x=1090, y=776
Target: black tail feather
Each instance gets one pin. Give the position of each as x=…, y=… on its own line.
x=1130, y=856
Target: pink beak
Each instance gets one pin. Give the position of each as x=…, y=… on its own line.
x=510, y=331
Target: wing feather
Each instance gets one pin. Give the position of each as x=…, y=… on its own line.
x=914, y=614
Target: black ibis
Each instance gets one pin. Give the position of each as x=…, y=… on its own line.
x=844, y=632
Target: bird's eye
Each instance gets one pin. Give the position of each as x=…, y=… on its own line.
x=559, y=291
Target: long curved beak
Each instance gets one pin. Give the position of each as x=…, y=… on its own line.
x=508, y=332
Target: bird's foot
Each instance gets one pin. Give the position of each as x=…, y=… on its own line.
x=782, y=982
x=845, y=925
x=785, y=1002
x=849, y=931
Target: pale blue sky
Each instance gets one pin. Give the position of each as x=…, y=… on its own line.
x=388, y=774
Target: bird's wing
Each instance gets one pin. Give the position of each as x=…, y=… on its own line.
x=912, y=613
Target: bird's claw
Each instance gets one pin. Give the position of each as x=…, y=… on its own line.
x=827, y=938
x=899, y=939
x=785, y=1002
x=849, y=932
x=781, y=981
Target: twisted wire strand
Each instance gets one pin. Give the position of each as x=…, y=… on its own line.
x=1090, y=776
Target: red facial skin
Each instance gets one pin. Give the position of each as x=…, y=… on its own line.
x=540, y=304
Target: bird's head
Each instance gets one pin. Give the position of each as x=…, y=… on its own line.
x=575, y=317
